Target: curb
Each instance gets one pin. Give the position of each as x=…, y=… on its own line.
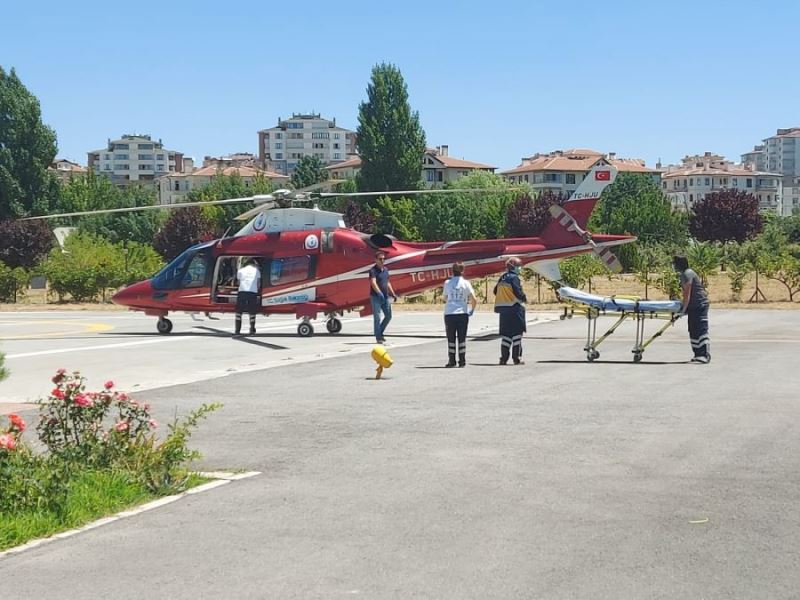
x=221, y=477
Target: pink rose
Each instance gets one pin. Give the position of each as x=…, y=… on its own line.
x=152, y=423
x=17, y=422
x=7, y=441
x=121, y=426
x=57, y=393
x=82, y=400
x=108, y=384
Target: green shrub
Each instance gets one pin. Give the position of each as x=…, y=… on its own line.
x=13, y=283
x=88, y=266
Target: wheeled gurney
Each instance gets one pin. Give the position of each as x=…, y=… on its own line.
x=577, y=302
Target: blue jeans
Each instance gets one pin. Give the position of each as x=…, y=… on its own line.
x=380, y=305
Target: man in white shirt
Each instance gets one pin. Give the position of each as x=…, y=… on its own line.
x=458, y=293
x=248, y=300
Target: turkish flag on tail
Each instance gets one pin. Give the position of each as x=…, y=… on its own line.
x=602, y=175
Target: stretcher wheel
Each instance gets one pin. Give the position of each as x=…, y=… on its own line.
x=637, y=357
x=592, y=355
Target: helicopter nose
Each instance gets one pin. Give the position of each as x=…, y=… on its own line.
x=134, y=294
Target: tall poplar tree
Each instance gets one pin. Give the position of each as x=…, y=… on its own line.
x=390, y=139
x=27, y=149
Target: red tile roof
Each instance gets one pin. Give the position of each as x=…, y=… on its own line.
x=576, y=159
x=353, y=162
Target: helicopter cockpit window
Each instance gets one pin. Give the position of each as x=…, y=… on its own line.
x=187, y=270
x=195, y=275
x=290, y=269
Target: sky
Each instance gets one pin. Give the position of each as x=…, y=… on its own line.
x=495, y=81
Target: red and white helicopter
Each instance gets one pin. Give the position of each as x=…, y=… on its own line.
x=313, y=264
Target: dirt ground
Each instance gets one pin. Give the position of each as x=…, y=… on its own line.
x=541, y=296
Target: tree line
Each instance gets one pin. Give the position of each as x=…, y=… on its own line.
x=106, y=251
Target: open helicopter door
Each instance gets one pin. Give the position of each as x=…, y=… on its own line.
x=224, y=288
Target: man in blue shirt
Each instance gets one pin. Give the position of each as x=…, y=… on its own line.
x=380, y=290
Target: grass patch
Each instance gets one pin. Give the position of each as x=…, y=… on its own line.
x=92, y=495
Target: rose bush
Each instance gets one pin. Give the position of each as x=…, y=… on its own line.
x=91, y=432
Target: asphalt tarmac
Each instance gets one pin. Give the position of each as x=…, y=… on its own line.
x=555, y=479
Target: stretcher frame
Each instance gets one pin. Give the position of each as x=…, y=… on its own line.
x=593, y=313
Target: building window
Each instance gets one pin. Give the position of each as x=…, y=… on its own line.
x=159, y=167
x=120, y=146
x=336, y=136
x=159, y=157
x=526, y=178
x=107, y=156
x=569, y=178
x=735, y=182
x=145, y=157
x=294, y=126
x=120, y=157
x=278, y=155
x=177, y=186
x=336, y=146
x=691, y=197
x=430, y=175
x=337, y=155
x=552, y=177
x=278, y=136
x=318, y=145
x=122, y=167
x=278, y=145
x=708, y=181
x=107, y=168
x=691, y=181
x=145, y=168
x=320, y=136
x=663, y=183
x=145, y=146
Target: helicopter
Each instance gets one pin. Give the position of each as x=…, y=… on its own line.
x=312, y=263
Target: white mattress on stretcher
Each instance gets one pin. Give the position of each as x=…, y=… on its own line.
x=612, y=303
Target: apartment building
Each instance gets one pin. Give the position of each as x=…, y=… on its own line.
x=137, y=158
x=699, y=175
x=780, y=154
x=174, y=187
x=65, y=169
x=280, y=148
x=438, y=167
x=562, y=171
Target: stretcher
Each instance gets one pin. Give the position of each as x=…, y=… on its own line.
x=592, y=306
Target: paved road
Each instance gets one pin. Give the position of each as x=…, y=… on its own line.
x=557, y=479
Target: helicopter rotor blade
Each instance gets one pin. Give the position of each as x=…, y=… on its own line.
x=413, y=192
x=108, y=211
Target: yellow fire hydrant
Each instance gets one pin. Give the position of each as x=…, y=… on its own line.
x=381, y=356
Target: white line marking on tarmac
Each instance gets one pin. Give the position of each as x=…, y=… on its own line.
x=100, y=347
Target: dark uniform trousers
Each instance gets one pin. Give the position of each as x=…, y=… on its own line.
x=456, y=328
x=698, y=330
x=246, y=302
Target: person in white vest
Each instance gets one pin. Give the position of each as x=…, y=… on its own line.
x=459, y=304
x=248, y=299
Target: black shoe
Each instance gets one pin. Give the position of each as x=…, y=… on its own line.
x=450, y=365
x=462, y=365
x=503, y=362
x=252, y=332
x=519, y=361
x=237, y=334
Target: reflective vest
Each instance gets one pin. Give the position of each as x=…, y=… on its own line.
x=504, y=291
